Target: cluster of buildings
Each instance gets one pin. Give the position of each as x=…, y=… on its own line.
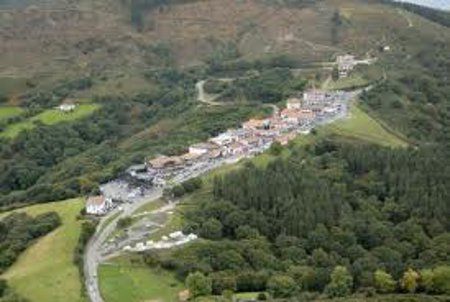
x=301, y=114
x=255, y=135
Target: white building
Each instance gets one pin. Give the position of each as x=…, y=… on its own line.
x=222, y=139
x=67, y=107
x=294, y=103
x=201, y=148
x=98, y=205
x=346, y=63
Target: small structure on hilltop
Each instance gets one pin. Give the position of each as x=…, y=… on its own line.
x=98, y=205
x=346, y=63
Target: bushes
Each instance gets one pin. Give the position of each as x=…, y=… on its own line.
x=281, y=286
x=3, y=287
x=199, y=284
x=124, y=222
x=188, y=186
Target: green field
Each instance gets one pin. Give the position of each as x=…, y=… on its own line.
x=45, y=271
x=8, y=112
x=150, y=206
x=361, y=126
x=50, y=117
x=354, y=80
x=122, y=281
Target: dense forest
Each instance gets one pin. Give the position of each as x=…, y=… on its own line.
x=333, y=218
x=17, y=232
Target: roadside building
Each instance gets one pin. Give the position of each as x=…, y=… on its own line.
x=306, y=116
x=294, y=103
x=237, y=148
x=215, y=153
x=254, y=124
x=98, y=205
x=290, y=115
x=163, y=161
x=201, y=148
x=190, y=157
x=223, y=138
x=330, y=110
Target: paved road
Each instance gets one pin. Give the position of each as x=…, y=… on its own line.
x=93, y=257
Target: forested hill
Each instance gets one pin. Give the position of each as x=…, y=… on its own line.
x=333, y=219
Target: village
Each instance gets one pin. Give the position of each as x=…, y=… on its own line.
x=301, y=114
x=146, y=182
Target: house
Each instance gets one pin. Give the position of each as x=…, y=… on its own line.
x=223, y=138
x=254, y=124
x=66, y=107
x=305, y=116
x=330, y=110
x=294, y=103
x=346, y=63
x=189, y=157
x=237, y=148
x=163, y=161
x=201, y=148
x=98, y=205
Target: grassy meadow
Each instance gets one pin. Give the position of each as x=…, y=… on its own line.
x=45, y=271
x=361, y=126
x=49, y=117
x=9, y=111
x=121, y=280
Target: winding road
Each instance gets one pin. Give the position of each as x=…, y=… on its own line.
x=93, y=254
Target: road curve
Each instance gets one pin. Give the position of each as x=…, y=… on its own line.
x=93, y=256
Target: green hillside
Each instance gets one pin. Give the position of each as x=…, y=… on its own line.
x=50, y=259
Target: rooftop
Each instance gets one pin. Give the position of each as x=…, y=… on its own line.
x=96, y=200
